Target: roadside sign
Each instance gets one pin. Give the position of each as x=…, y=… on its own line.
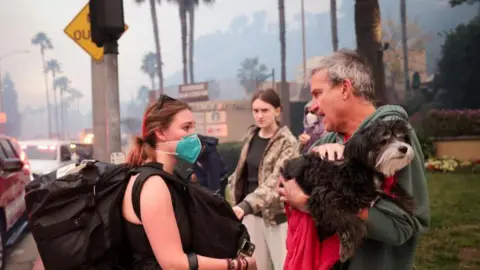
x=79, y=31
x=193, y=92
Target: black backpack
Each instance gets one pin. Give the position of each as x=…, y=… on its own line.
x=76, y=218
x=215, y=229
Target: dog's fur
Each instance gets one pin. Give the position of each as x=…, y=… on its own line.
x=339, y=190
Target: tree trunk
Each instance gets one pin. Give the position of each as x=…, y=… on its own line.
x=183, y=24
x=62, y=117
x=153, y=84
x=368, y=30
x=191, y=41
x=55, y=104
x=65, y=123
x=156, y=34
x=45, y=75
x=403, y=21
x=333, y=19
x=284, y=89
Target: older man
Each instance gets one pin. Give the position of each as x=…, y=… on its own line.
x=342, y=87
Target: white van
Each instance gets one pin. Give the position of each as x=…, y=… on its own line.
x=47, y=155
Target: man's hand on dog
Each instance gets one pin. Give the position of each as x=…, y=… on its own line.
x=291, y=193
x=330, y=151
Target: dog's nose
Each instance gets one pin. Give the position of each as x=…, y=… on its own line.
x=403, y=149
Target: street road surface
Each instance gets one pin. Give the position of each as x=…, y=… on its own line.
x=23, y=254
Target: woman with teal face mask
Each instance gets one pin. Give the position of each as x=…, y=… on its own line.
x=159, y=239
x=187, y=149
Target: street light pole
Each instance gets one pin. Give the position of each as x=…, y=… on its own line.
x=3, y=57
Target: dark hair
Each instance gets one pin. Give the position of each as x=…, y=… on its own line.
x=269, y=96
x=158, y=115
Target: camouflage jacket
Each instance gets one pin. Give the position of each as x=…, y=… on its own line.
x=264, y=199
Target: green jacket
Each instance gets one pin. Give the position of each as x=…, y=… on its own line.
x=393, y=234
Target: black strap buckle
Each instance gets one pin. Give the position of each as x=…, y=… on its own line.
x=91, y=197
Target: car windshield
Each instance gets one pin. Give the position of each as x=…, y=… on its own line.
x=82, y=149
x=41, y=152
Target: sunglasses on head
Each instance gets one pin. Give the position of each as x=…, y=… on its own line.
x=162, y=99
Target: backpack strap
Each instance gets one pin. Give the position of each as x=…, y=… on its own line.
x=146, y=171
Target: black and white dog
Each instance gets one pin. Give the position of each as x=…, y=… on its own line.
x=339, y=190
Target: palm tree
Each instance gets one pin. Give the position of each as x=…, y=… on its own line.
x=190, y=9
x=142, y=95
x=333, y=19
x=156, y=34
x=149, y=65
x=54, y=67
x=182, y=12
x=284, y=91
x=252, y=74
x=41, y=40
x=403, y=20
x=62, y=83
x=368, y=30
x=75, y=96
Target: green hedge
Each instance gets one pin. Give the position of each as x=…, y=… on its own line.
x=451, y=123
x=428, y=148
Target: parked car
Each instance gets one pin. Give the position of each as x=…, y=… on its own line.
x=47, y=155
x=15, y=174
x=82, y=150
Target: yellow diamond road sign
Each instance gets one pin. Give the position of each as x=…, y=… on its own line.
x=79, y=30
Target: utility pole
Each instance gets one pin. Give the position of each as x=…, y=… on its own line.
x=333, y=21
x=112, y=94
x=98, y=111
x=304, y=49
x=284, y=92
x=403, y=21
x=107, y=25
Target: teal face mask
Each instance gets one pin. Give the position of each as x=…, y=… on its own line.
x=188, y=148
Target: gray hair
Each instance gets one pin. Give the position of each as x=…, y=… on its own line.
x=347, y=64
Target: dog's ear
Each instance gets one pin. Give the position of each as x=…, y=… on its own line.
x=294, y=168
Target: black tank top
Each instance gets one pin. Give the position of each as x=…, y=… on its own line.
x=144, y=258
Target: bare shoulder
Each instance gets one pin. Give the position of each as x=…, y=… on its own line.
x=155, y=186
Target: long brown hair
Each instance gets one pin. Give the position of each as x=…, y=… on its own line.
x=157, y=116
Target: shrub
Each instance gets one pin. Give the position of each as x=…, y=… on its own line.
x=452, y=123
x=428, y=148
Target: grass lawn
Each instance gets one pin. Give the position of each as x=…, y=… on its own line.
x=453, y=241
